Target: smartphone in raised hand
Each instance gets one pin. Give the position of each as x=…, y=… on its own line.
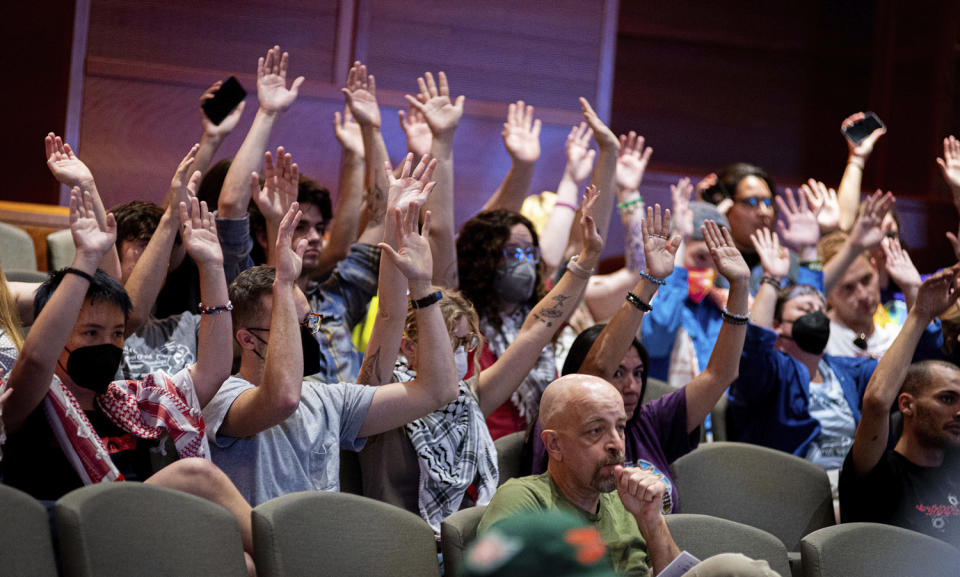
x=231, y=94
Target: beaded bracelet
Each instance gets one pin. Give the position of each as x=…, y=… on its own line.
x=770, y=281
x=639, y=304
x=576, y=269
x=205, y=310
x=652, y=278
x=733, y=319
x=572, y=207
x=79, y=273
x=622, y=206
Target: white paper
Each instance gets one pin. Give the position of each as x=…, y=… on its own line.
x=683, y=563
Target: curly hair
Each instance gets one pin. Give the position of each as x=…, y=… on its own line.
x=480, y=247
x=308, y=192
x=730, y=176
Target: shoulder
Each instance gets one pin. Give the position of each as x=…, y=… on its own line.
x=516, y=495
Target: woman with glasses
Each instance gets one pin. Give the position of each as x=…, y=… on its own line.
x=446, y=460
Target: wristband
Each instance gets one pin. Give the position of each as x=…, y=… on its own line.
x=572, y=207
x=651, y=278
x=426, y=301
x=574, y=268
x=79, y=273
x=770, y=281
x=205, y=310
x=639, y=304
x=733, y=319
x=628, y=204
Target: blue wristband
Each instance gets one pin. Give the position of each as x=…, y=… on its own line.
x=652, y=279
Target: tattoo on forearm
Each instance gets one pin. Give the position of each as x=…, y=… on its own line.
x=370, y=370
x=634, y=255
x=378, y=205
x=552, y=312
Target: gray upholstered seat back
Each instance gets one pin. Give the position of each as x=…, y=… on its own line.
x=27, y=549
x=704, y=536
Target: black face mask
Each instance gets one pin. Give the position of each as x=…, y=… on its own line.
x=811, y=332
x=94, y=367
x=311, y=352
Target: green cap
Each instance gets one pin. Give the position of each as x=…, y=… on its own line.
x=550, y=542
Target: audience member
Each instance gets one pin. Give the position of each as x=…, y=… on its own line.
x=915, y=484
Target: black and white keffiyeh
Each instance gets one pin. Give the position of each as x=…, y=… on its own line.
x=455, y=450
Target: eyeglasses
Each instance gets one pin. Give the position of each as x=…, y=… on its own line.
x=312, y=321
x=516, y=255
x=469, y=342
x=755, y=201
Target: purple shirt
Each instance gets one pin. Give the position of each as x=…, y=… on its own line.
x=655, y=437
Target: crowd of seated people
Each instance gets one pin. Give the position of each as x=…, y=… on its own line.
x=807, y=324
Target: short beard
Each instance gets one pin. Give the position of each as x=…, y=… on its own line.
x=607, y=484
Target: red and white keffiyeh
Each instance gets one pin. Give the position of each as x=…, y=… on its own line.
x=146, y=409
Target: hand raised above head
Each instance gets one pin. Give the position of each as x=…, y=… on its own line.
x=91, y=240
x=412, y=257
x=682, y=215
x=938, y=293
x=867, y=231
x=862, y=150
x=950, y=163
x=361, y=95
x=824, y=204
x=64, y=164
x=178, y=192
x=199, y=229
x=632, y=160
x=280, y=186
x=774, y=259
x=801, y=228
x=579, y=155
x=433, y=102
x=521, y=133
x=290, y=258
x=348, y=133
x=592, y=241
x=659, y=247
x=601, y=132
x=410, y=187
x=272, y=88
x=226, y=125
x=726, y=257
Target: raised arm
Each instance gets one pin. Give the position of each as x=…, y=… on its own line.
x=345, y=226
x=275, y=98
x=71, y=171
x=799, y=228
x=214, y=345
x=824, y=204
x=848, y=193
x=278, y=193
x=936, y=295
x=865, y=234
x=277, y=395
x=501, y=379
x=33, y=371
x=404, y=199
x=556, y=233
x=605, y=172
x=521, y=137
x=214, y=134
x=705, y=389
x=616, y=338
x=150, y=272
x=442, y=115
x=900, y=267
x=775, y=261
x=950, y=167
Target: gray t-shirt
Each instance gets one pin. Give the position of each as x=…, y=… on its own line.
x=301, y=453
x=837, y=424
x=168, y=344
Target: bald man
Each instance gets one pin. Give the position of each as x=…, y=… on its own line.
x=583, y=422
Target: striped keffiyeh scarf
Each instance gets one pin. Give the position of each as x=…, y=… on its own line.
x=146, y=409
x=455, y=450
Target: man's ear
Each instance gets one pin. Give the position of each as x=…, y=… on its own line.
x=262, y=239
x=246, y=340
x=551, y=441
x=906, y=403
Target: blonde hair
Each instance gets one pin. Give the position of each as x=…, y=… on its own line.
x=454, y=307
x=9, y=315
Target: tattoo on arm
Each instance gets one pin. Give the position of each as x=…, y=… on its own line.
x=370, y=370
x=378, y=205
x=553, y=312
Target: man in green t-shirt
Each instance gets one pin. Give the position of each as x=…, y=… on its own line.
x=583, y=422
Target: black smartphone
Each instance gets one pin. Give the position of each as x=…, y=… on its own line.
x=224, y=101
x=861, y=129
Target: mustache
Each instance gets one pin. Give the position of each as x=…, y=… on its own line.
x=615, y=458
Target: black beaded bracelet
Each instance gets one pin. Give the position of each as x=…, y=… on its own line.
x=79, y=273
x=635, y=301
x=426, y=301
x=733, y=319
x=771, y=281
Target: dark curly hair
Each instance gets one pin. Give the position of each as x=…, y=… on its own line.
x=480, y=247
x=308, y=192
x=730, y=176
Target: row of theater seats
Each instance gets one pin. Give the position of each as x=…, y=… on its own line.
x=18, y=257
x=137, y=530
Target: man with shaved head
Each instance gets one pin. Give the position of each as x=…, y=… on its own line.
x=583, y=423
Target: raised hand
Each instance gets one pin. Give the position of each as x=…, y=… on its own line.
x=579, y=155
x=601, y=132
x=632, y=161
x=199, y=229
x=725, y=255
x=272, y=88
x=938, y=293
x=682, y=215
x=659, y=247
x=592, y=241
x=415, y=127
x=950, y=163
x=954, y=243
x=91, y=240
x=63, y=163
x=899, y=265
x=178, y=192
x=348, y=133
x=361, y=95
x=801, y=229
x=823, y=202
x=641, y=493
x=413, y=257
x=227, y=125
x=441, y=114
x=289, y=258
x=410, y=188
x=521, y=133
x=866, y=232
x=705, y=184
x=774, y=259
x=280, y=186
x=862, y=150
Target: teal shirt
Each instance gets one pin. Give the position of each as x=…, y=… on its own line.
x=617, y=527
